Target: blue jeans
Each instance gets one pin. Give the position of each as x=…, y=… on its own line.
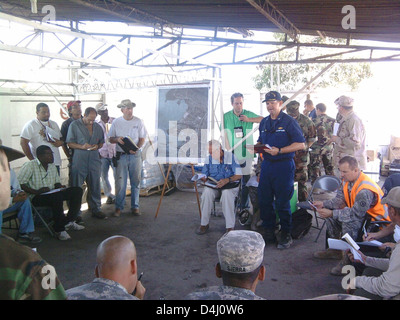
x=24, y=216
x=275, y=190
x=106, y=163
x=128, y=165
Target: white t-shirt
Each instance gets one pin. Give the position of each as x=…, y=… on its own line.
x=35, y=132
x=133, y=128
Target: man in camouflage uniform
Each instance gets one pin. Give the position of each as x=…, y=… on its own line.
x=24, y=275
x=357, y=197
x=302, y=157
x=116, y=273
x=240, y=256
x=321, y=150
x=350, y=138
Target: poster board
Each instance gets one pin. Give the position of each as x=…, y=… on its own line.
x=182, y=123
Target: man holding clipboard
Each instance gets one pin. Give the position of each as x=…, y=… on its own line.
x=130, y=162
x=37, y=178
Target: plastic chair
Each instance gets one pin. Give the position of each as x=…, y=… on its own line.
x=325, y=183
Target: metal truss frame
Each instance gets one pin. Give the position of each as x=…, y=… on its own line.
x=167, y=52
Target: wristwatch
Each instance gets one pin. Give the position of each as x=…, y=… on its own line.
x=279, y=151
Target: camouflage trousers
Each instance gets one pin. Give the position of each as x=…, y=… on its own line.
x=336, y=229
x=301, y=176
x=318, y=159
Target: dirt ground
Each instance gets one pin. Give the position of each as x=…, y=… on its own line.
x=176, y=261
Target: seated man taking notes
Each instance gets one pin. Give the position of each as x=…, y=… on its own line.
x=37, y=178
x=222, y=167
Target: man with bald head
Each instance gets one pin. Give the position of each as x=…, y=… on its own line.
x=116, y=273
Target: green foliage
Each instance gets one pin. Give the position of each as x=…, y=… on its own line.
x=292, y=76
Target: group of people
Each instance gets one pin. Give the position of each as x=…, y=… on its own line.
x=287, y=139
x=92, y=145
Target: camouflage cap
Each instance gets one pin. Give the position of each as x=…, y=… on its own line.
x=126, y=104
x=344, y=101
x=292, y=108
x=392, y=198
x=285, y=98
x=240, y=251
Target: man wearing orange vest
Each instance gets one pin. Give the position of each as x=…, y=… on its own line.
x=358, y=196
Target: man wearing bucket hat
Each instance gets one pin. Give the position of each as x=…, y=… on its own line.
x=128, y=163
x=240, y=256
x=276, y=183
x=381, y=278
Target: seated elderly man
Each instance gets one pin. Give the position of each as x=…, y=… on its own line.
x=116, y=273
x=358, y=196
x=39, y=176
x=223, y=168
x=240, y=255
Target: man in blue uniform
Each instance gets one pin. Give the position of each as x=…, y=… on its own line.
x=282, y=133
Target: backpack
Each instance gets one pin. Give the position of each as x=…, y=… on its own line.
x=301, y=223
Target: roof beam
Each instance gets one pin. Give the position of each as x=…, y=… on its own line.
x=266, y=8
x=123, y=11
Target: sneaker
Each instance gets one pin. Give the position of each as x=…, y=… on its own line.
x=110, y=200
x=285, y=240
x=79, y=220
x=63, y=235
x=73, y=226
x=99, y=214
x=28, y=238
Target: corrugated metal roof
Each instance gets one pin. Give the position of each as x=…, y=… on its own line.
x=375, y=20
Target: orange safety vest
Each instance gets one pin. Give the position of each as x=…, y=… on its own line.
x=379, y=211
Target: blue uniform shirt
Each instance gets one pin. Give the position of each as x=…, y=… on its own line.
x=279, y=133
x=228, y=168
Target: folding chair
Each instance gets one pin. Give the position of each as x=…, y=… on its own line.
x=327, y=184
x=11, y=217
x=36, y=213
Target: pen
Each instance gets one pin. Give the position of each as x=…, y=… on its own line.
x=140, y=277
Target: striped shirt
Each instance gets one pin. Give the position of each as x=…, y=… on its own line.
x=35, y=176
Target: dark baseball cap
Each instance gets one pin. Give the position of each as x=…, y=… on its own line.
x=11, y=153
x=272, y=96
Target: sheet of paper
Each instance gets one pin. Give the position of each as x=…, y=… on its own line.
x=343, y=246
x=52, y=133
x=335, y=128
x=372, y=243
x=198, y=176
x=53, y=191
x=252, y=182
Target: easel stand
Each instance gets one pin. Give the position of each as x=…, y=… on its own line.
x=166, y=183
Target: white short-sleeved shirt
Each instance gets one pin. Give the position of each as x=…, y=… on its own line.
x=133, y=128
x=35, y=132
x=396, y=235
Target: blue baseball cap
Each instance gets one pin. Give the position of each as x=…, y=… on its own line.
x=272, y=96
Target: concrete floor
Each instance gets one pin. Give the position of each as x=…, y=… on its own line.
x=176, y=261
